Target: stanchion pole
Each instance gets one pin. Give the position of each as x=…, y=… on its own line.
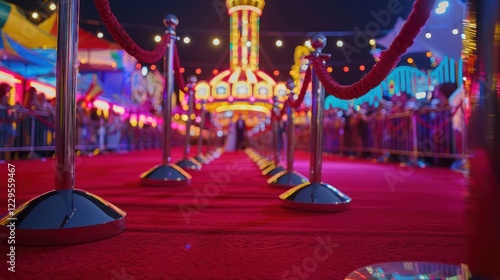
x=189, y=163
x=166, y=173
x=66, y=215
x=315, y=195
x=289, y=177
x=274, y=167
x=481, y=52
x=201, y=158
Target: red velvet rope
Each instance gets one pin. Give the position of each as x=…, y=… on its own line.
x=296, y=103
x=303, y=90
x=124, y=40
x=179, y=78
x=388, y=59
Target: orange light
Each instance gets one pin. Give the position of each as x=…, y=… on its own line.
x=138, y=66
x=329, y=69
x=198, y=71
x=409, y=60
x=153, y=67
x=182, y=70
x=215, y=72
x=276, y=72
x=362, y=68
x=346, y=69
x=428, y=54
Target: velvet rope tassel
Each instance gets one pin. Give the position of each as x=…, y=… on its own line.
x=124, y=40
x=388, y=60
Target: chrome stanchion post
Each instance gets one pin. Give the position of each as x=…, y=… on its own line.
x=316, y=195
x=65, y=215
x=275, y=166
x=481, y=52
x=189, y=163
x=200, y=156
x=32, y=137
x=288, y=177
x=167, y=173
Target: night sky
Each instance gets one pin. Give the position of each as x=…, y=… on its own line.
x=292, y=21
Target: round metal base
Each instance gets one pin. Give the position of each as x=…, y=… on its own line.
x=265, y=165
x=189, y=164
x=287, y=179
x=201, y=158
x=62, y=218
x=165, y=175
x=262, y=160
x=315, y=197
x=411, y=270
x=272, y=170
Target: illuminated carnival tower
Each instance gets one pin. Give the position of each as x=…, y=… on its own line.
x=242, y=88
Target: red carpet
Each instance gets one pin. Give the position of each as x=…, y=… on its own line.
x=240, y=231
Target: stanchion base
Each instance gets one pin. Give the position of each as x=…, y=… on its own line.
x=189, y=164
x=272, y=170
x=50, y=219
x=411, y=270
x=287, y=179
x=262, y=160
x=315, y=197
x=169, y=175
x=201, y=158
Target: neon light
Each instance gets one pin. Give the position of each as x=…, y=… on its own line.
x=241, y=89
x=202, y=90
x=48, y=90
x=220, y=91
x=219, y=77
x=251, y=78
x=262, y=90
x=235, y=76
x=254, y=37
x=242, y=107
x=118, y=110
x=133, y=120
x=245, y=8
x=100, y=104
x=244, y=38
x=234, y=55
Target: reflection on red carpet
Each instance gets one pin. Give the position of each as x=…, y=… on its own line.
x=228, y=224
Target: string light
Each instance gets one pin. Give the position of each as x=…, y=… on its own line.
x=186, y=40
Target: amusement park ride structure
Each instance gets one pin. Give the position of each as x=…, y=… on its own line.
x=242, y=89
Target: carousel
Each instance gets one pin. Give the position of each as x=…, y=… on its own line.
x=242, y=91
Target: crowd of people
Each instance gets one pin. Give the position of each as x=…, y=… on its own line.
x=30, y=125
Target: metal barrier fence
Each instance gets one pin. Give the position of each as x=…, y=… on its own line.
x=32, y=133
x=428, y=133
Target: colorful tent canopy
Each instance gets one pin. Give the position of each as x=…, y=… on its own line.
x=14, y=23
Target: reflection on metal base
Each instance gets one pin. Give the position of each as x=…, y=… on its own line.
x=266, y=164
x=411, y=270
x=272, y=170
x=315, y=197
x=62, y=218
x=262, y=160
x=201, y=158
x=165, y=175
x=287, y=179
x=189, y=164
